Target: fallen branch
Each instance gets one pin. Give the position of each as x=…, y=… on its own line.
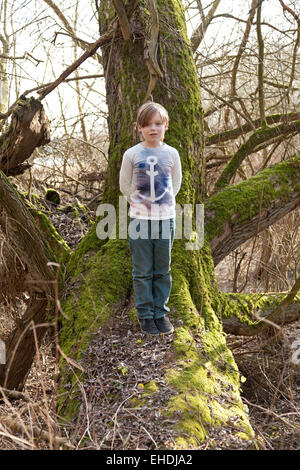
x=14, y=394
x=16, y=426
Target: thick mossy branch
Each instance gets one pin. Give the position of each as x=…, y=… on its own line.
x=29, y=128
x=250, y=314
x=36, y=248
x=24, y=235
x=239, y=212
x=53, y=239
x=258, y=140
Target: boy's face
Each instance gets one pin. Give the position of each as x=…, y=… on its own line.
x=154, y=132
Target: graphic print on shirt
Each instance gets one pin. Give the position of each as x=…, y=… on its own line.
x=154, y=185
x=152, y=195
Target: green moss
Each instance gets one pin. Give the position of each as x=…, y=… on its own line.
x=133, y=316
x=96, y=292
x=88, y=246
x=52, y=196
x=242, y=201
x=23, y=101
x=150, y=388
x=205, y=377
x=245, y=307
x=104, y=280
x=50, y=234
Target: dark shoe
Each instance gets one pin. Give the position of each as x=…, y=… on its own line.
x=148, y=326
x=164, y=325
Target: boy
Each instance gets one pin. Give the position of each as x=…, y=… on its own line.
x=150, y=177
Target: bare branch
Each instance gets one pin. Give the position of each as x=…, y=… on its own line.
x=286, y=8
x=105, y=38
x=241, y=50
x=69, y=28
x=198, y=34
x=228, y=103
x=261, y=97
x=26, y=55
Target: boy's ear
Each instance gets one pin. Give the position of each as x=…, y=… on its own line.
x=166, y=125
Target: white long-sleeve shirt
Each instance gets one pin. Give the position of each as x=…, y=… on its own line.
x=150, y=178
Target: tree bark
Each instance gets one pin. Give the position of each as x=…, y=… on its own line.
x=23, y=342
x=29, y=128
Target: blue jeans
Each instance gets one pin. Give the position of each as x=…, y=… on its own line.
x=150, y=244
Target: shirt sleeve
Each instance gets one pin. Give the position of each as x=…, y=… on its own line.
x=126, y=175
x=176, y=173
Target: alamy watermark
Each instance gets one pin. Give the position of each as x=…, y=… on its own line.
x=2, y=352
x=184, y=229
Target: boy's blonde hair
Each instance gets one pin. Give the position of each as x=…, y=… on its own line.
x=146, y=111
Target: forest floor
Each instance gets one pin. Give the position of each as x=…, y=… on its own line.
x=121, y=360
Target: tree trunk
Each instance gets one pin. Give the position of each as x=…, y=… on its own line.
x=100, y=272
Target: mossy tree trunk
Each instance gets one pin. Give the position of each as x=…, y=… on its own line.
x=37, y=245
x=208, y=384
